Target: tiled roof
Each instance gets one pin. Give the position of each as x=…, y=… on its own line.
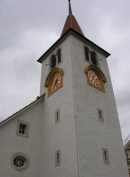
x=71, y=23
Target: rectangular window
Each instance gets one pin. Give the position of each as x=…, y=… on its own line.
x=57, y=158
x=57, y=116
x=105, y=155
x=22, y=128
x=100, y=115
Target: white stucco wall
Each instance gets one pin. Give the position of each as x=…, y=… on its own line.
x=11, y=143
x=61, y=136
x=92, y=134
x=79, y=135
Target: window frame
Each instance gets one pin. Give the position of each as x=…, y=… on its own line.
x=53, y=61
x=57, y=57
x=100, y=114
x=57, y=116
x=58, y=158
x=105, y=154
x=89, y=57
x=24, y=157
x=87, y=53
x=94, y=58
x=58, y=53
x=26, y=131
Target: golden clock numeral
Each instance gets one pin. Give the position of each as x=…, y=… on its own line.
x=91, y=75
x=52, y=89
x=94, y=80
x=97, y=84
x=56, y=82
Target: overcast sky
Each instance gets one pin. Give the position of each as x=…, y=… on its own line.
x=29, y=27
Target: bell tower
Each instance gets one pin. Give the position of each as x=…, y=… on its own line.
x=81, y=127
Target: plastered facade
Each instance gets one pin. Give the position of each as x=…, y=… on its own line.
x=79, y=136
x=92, y=134
x=11, y=143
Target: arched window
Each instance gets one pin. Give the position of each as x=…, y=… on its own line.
x=53, y=61
x=86, y=50
x=94, y=58
x=59, y=55
x=105, y=156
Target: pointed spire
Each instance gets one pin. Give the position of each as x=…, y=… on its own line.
x=70, y=9
x=71, y=23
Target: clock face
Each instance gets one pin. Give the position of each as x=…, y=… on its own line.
x=56, y=83
x=94, y=80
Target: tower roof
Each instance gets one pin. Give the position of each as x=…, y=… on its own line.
x=71, y=23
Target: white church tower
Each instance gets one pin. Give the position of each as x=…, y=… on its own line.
x=72, y=129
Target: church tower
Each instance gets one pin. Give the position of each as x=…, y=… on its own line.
x=72, y=128
x=80, y=117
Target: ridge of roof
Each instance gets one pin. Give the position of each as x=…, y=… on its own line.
x=24, y=108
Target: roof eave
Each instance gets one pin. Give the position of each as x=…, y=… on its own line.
x=64, y=36
x=53, y=46
x=107, y=54
x=39, y=98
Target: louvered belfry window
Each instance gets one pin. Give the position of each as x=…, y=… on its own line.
x=59, y=55
x=94, y=58
x=53, y=61
x=86, y=53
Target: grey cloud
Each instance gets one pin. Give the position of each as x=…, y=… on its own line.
x=28, y=28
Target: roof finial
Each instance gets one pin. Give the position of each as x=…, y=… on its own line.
x=70, y=10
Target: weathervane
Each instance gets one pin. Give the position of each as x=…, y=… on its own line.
x=70, y=10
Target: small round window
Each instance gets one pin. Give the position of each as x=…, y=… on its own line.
x=19, y=161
